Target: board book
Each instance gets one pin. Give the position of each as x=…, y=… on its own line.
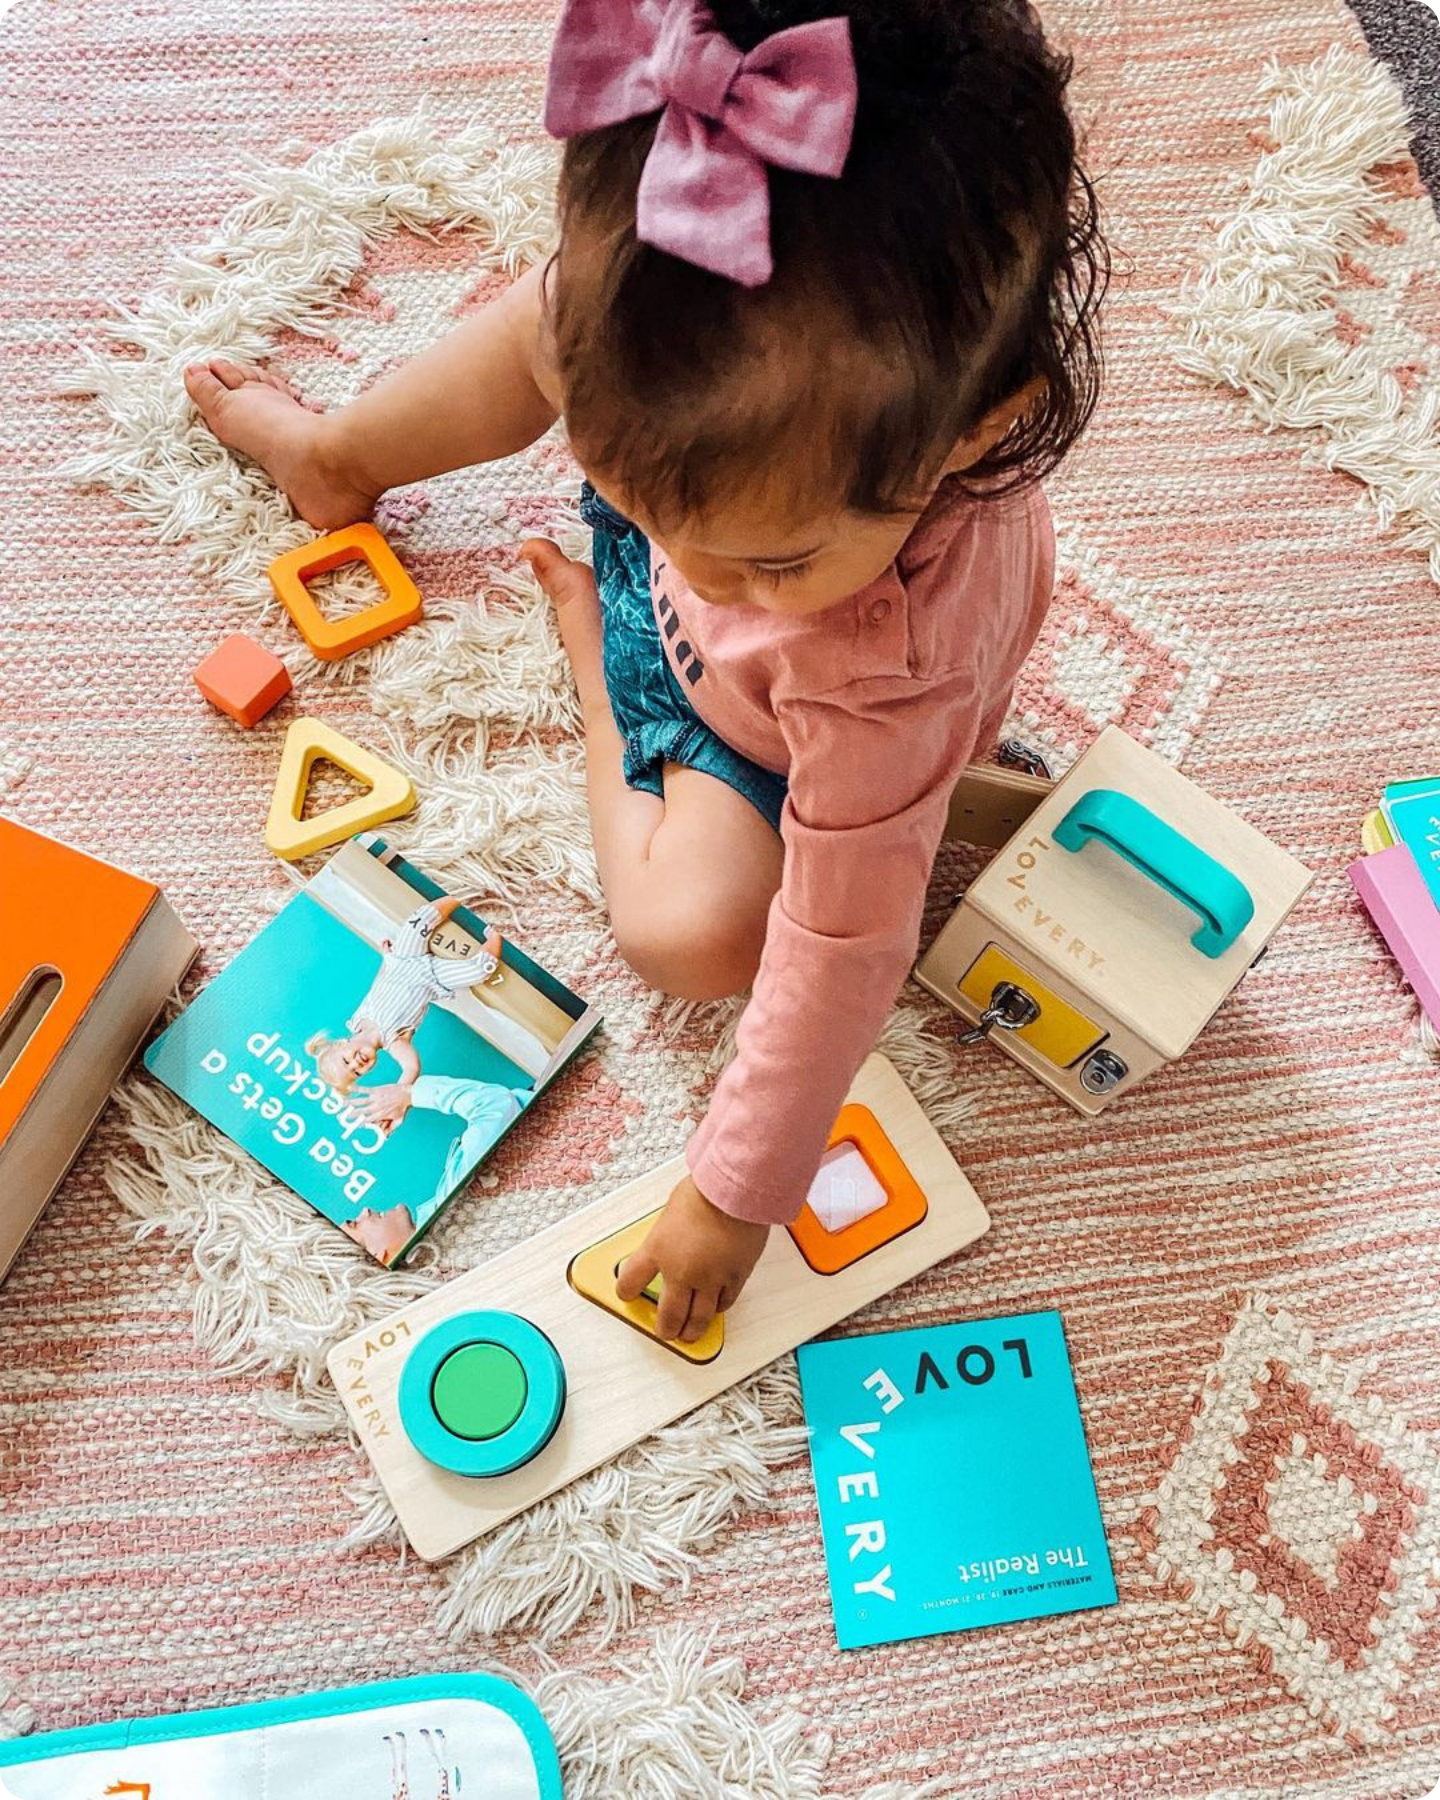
x=372, y=1045
x=953, y=1479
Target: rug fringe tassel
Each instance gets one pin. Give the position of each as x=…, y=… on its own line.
x=1259, y=316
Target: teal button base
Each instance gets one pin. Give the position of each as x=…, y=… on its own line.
x=482, y=1393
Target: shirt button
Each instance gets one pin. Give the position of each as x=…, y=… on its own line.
x=879, y=611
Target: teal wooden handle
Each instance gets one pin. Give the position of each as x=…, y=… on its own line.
x=1168, y=857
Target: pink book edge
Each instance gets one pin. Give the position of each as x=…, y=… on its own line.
x=1399, y=902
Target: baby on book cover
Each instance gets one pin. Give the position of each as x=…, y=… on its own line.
x=372, y=1045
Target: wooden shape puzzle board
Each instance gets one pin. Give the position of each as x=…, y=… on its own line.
x=621, y=1385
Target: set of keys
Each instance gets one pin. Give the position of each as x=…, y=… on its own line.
x=1010, y=1009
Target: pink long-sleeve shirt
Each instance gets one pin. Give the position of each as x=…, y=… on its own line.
x=872, y=709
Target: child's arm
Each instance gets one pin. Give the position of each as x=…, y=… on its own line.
x=839, y=942
x=404, y=1053
x=485, y=390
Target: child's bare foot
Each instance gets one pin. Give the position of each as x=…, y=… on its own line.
x=257, y=414
x=571, y=587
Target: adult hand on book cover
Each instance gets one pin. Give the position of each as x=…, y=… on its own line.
x=383, y=1106
x=703, y=1256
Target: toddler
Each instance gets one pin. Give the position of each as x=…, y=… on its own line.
x=821, y=314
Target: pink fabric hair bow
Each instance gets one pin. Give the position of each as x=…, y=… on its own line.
x=704, y=192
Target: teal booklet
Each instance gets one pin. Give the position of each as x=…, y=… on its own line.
x=372, y=1045
x=953, y=1480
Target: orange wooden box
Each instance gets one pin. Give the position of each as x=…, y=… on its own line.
x=88, y=955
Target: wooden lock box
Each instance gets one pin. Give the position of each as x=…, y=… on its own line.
x=1113, y=924
x=88, y=956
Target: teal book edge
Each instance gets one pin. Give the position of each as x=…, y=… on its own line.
x=247, y=1053
x=1399, y=790
x=953, y=1479
x=1415, y=820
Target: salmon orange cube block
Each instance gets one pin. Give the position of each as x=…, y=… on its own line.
x=243, y=679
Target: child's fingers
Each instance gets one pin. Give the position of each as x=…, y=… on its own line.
x=702, y=1311
x=729, y=1294
x=561, y=579
x=542, y=553
x=636, y=1273
x=676, y=1302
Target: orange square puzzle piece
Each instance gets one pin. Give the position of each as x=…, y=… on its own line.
x=331, y=639
x=243, y=679
x=905, y=1206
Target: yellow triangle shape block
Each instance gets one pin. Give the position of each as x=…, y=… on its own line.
x=592, y=1273
x=288, y=834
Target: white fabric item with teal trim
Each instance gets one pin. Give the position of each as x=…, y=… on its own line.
x=443, y=1735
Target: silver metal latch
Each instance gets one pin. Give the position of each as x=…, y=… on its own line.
x=1103, y=1072
x=1010, y=1009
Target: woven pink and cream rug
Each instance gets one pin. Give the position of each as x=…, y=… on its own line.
x=1246, y=1252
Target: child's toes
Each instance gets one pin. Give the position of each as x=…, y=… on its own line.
x=231, y=374
x=205, y=389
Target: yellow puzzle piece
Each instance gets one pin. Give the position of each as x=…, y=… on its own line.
x=592, y=1273
x=289, y=834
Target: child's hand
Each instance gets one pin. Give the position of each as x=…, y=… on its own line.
x=703, y=1256
x=562, y=579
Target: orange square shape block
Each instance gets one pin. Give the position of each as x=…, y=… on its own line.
x=243, y=679
x=331, y=639
x=827, y=1252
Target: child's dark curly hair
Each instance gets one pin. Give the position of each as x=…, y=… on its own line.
x=958, y=258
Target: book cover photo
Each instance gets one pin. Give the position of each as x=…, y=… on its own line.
x=372, y=1044
x=953, y=1478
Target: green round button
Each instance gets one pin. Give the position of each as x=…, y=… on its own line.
x=479, y=1390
